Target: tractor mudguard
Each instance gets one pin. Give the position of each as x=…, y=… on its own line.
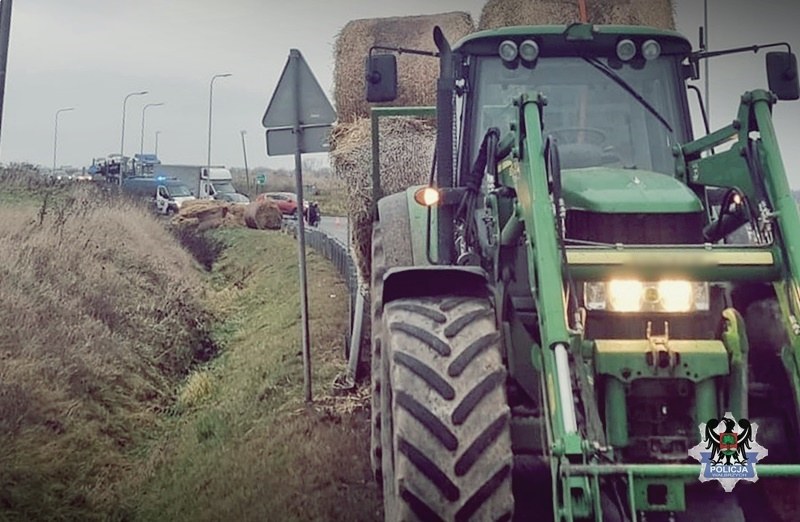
x=421, y=281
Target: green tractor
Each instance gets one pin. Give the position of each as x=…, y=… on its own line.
x=582, y=285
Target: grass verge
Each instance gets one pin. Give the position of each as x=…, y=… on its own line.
x=242, y=444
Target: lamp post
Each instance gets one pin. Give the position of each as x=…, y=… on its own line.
x=122, y=139
x=246, y=172
x=141, y=145
x=156, y=151
x=210, y=105
x=55, y=137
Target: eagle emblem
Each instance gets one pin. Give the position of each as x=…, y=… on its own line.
x=728, y=451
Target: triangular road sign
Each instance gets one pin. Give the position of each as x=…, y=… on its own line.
x=298, y=84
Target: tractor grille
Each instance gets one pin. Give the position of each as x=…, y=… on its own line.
x=645, y=229
x=638, y=229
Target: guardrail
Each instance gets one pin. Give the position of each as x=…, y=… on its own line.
x=332, y=249
x=339, y=256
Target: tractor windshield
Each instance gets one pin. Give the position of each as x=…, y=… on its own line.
x=600, y=113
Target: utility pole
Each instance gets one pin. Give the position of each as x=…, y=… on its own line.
x=246, y=171
x=5, y=30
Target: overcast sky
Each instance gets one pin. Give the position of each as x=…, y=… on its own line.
x=89, y=54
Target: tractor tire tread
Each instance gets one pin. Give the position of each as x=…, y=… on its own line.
x=452, y=451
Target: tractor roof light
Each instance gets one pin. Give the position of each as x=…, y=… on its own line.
x=626, y=50
x=529, y=50
x=651, y=50
x=508, y=51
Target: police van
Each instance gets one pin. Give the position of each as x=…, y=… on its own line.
x=166, y=194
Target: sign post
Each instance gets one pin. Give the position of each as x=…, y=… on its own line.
x=298, y=119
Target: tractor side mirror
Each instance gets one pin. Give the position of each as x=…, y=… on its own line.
x=782, y=75
x=381, y=78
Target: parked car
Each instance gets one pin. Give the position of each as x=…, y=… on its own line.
x=286, y=202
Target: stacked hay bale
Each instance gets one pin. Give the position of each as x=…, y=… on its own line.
x=406, y=158
x=416, y=75
x=504, y=13
x=407, y=144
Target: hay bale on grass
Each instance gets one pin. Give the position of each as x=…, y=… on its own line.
x=263, y=215
x=406, y=159
x=203, y=209
x=235, y=217
x=504, y=13
x=416, y=74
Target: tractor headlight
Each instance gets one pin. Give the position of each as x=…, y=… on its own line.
x=628, y=295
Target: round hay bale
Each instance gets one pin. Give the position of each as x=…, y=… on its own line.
x=416, y=75
x=504, y=13
x=406, y=159
x=263, y=215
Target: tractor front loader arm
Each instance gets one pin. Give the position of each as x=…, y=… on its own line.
x=753, y=166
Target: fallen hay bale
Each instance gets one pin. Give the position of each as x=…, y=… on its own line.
x=208, y=224
x=263, y=215
x=504, y=13
x=406, y=159
x=235, y=216
x=416, y=74
x=203, y=209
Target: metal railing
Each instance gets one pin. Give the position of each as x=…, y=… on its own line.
x=332, y=249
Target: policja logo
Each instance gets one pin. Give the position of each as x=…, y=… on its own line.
x=728, y=451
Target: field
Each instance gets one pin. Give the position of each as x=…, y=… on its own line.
x=136, y=385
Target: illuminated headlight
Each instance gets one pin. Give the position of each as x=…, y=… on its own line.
x=651, y=50
x=627, y=295
x=529, y=50
x=626, y=50
x=508, y=51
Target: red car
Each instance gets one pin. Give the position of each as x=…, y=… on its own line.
x=286, y=201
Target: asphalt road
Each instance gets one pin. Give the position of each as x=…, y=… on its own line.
x=335, y=227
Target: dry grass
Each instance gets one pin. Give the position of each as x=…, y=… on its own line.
x=503, y=13
x=416, y=74
x=102, y=314
x=406, y=159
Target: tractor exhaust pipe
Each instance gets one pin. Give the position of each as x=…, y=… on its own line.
x=444, y=145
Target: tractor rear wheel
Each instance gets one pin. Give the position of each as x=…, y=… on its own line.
x=446, y=428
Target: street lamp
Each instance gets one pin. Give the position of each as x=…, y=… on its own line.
x=210, y=105
x=246, y=172
x=141, y=145
x=122, y=139
x=156, y=151
x=55, y=137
